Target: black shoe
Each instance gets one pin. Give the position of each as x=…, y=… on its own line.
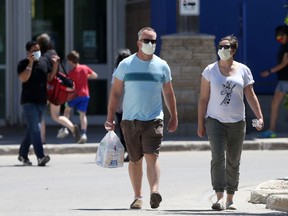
x=42, y=161
x=155, y=200
x=24, y=160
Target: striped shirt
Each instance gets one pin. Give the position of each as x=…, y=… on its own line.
x=143, y=81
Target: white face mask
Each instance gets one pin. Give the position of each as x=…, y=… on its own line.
x=149, y=48
x=224, y=54
x=37, y=55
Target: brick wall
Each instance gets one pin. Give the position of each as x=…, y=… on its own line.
x=187, y=56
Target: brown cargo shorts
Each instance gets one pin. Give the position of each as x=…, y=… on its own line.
x=142, y=137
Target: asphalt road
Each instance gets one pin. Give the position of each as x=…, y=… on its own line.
x=72, y=184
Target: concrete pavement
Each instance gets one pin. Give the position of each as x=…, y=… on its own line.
x=12, y=136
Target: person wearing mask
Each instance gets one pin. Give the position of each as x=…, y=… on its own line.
x=33, y=72
x=281, y=70
x=142, y=78
x=221, y=114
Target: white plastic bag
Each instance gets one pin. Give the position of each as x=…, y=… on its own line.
x=110, y=152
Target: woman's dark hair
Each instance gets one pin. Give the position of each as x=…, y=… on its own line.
x=282, y=29
x=30, y=44
x=122, y=54
x=233, y=41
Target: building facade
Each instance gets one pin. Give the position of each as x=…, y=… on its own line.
x=98, y=28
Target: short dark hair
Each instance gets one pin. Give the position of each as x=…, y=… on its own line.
x=233, y=41
x=123, y=53
x=30, y=44
x=281, y=29
x=74, y=57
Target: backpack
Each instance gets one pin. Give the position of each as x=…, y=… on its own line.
x=61, y=88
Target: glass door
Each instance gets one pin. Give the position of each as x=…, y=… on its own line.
x=2, y=58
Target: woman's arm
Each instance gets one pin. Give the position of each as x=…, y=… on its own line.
x=254, y=105
x=202, y=105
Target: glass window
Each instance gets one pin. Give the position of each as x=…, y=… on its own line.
x=90, y=36
x=2, y=32
x=48, y=17
x=2, y=93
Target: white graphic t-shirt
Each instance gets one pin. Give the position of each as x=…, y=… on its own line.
x=226, y=102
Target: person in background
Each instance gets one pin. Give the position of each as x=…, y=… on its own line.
x=281, y=70
x=47, y=51
x=122, y=54
x=221, y=114
x=79, y=74
x=142, y=78
x=34, y=72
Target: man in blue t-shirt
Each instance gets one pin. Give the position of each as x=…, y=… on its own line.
x=141, y=78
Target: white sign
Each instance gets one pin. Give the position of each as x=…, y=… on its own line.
x=189, y=7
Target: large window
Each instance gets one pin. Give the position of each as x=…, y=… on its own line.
x=90, y=36
x=48, y=17
x=2, y=58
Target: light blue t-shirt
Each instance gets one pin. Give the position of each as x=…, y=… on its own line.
x=143, y=81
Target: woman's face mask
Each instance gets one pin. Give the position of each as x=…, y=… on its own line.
x=224, y=52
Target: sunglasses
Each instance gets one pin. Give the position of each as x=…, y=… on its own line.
x=146, y=41
x=224, y=46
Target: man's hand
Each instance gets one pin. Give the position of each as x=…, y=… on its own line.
x=172, y=125
x=109, y=126
x=55, y=59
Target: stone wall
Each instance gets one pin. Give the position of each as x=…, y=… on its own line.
x=187, y=56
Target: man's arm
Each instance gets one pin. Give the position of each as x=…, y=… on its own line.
x=55, y=59
x=170, y=101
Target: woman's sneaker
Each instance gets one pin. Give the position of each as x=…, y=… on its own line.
x=25, y=161
x=42, y=161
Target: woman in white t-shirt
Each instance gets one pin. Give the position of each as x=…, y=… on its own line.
x=221, y=114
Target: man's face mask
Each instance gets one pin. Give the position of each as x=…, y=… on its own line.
x=148, y=46
x=37, y=55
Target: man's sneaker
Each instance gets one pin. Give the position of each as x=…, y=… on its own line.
x=42, y=161
x=155, y=200
x=76, y=133
x=83, y=139
x=25, y=161
x=62, y=133
x=136, y=204
x=268, y=134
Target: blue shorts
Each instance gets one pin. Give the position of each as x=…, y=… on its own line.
x=282, y=86
x=80, y=103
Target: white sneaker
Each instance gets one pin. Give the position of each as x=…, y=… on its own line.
x=62, y=133
x=83, y=139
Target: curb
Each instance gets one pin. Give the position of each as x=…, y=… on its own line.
x=278, y=144
x=278, y=202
